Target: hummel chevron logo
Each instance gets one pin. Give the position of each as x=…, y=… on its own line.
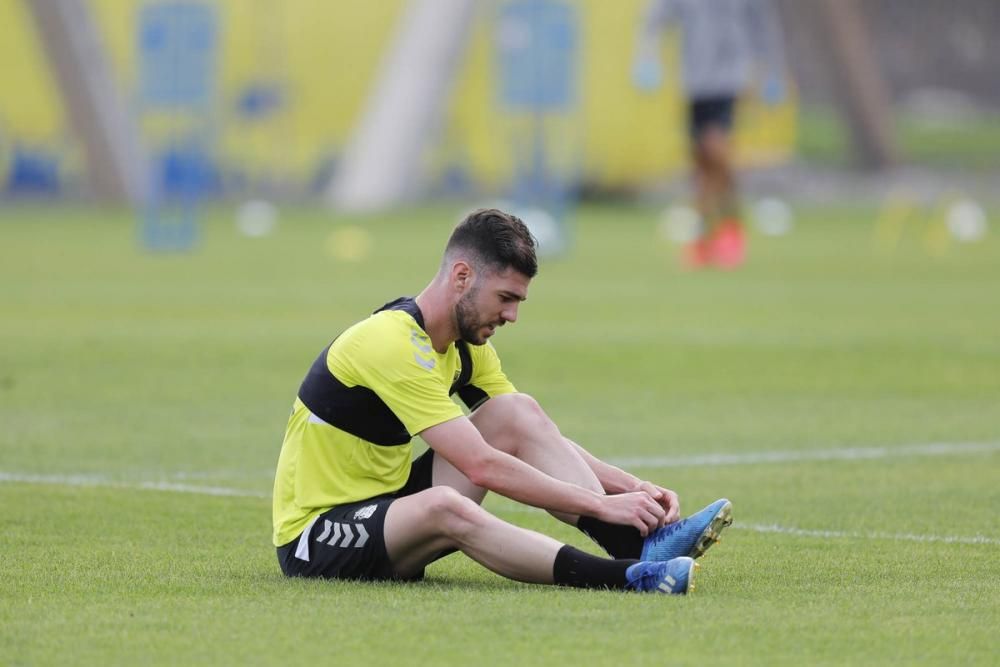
x=343, y=530
x=420, y=341
x=426, y=363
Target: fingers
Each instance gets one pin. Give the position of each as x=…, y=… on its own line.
x=671, y=504
x=666, y=498
x=640, y=510
x=647, y=520
x=656, y=513
x=641, y=526
x=652, y=489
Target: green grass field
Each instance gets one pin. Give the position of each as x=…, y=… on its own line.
x=966, y=144
x=143, y=398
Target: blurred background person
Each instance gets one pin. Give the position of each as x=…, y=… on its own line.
x=727, y=47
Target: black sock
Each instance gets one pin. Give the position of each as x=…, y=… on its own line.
x=618, y=541
x=581, y=570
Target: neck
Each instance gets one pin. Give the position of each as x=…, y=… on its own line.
x=438, y=316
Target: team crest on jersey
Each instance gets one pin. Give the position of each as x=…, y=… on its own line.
x=365, y=512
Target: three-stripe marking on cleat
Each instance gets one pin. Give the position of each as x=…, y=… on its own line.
x=343, y=530
x=668, y=584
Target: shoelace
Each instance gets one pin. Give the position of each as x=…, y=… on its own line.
x=649, y=577
x=667, y=531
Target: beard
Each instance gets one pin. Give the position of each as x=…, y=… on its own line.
x=467, y=321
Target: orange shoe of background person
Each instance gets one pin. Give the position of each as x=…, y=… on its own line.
x=727, y=247
x=697, y=254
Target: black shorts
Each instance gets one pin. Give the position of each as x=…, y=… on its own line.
x=348, y=541
x=706, y=112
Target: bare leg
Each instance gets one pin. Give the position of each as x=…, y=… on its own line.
x=517, y=425
x=445, y=474
x=704, y=189
x=715, y=177
x=419, y=527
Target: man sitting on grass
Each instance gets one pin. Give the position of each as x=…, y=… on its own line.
x=349, y=501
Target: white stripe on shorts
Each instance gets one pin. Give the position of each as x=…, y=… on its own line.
x=302, y=549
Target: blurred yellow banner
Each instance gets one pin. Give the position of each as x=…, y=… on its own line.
x=322, y=57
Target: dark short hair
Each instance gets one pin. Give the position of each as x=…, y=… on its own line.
x=497, y=241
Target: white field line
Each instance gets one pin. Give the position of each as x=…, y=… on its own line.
x=698, y=460
x=805, y=532
x=840, y=454
x=102, y=481
x=838, y=534
x=501, y=507
x=680, y=461
x=932, y=449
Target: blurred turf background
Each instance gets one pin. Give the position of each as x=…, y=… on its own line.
x=120, y=366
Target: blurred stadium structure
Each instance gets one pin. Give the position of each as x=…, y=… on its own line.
x=308, y=98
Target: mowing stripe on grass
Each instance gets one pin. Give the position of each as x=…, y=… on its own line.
x=842, y=454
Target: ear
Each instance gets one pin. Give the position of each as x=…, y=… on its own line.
x=461, y=275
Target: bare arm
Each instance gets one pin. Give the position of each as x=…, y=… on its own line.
x=616, y=480
x=612, y=479
x=461, y=444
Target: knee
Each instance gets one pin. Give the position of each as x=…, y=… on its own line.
x=453, y=514
x=527, y=411
x=525, y=420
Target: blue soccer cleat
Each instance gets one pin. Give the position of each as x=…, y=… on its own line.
x=674, y=577
x=691, y=536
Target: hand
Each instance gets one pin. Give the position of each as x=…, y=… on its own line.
x=647, y=73
x=772, y=90
x=667, y=499
x=635, y=508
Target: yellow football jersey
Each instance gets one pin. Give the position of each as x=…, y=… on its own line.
x=368, y=393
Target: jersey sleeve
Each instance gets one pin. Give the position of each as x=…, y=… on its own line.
x=488, y=379
x=393, y=360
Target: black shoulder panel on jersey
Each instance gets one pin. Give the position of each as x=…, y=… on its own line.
x=465, y=374
x=407, y=304
x=472, y=396
x=356, y=410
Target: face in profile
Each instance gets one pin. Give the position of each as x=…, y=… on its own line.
x=490, y=302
